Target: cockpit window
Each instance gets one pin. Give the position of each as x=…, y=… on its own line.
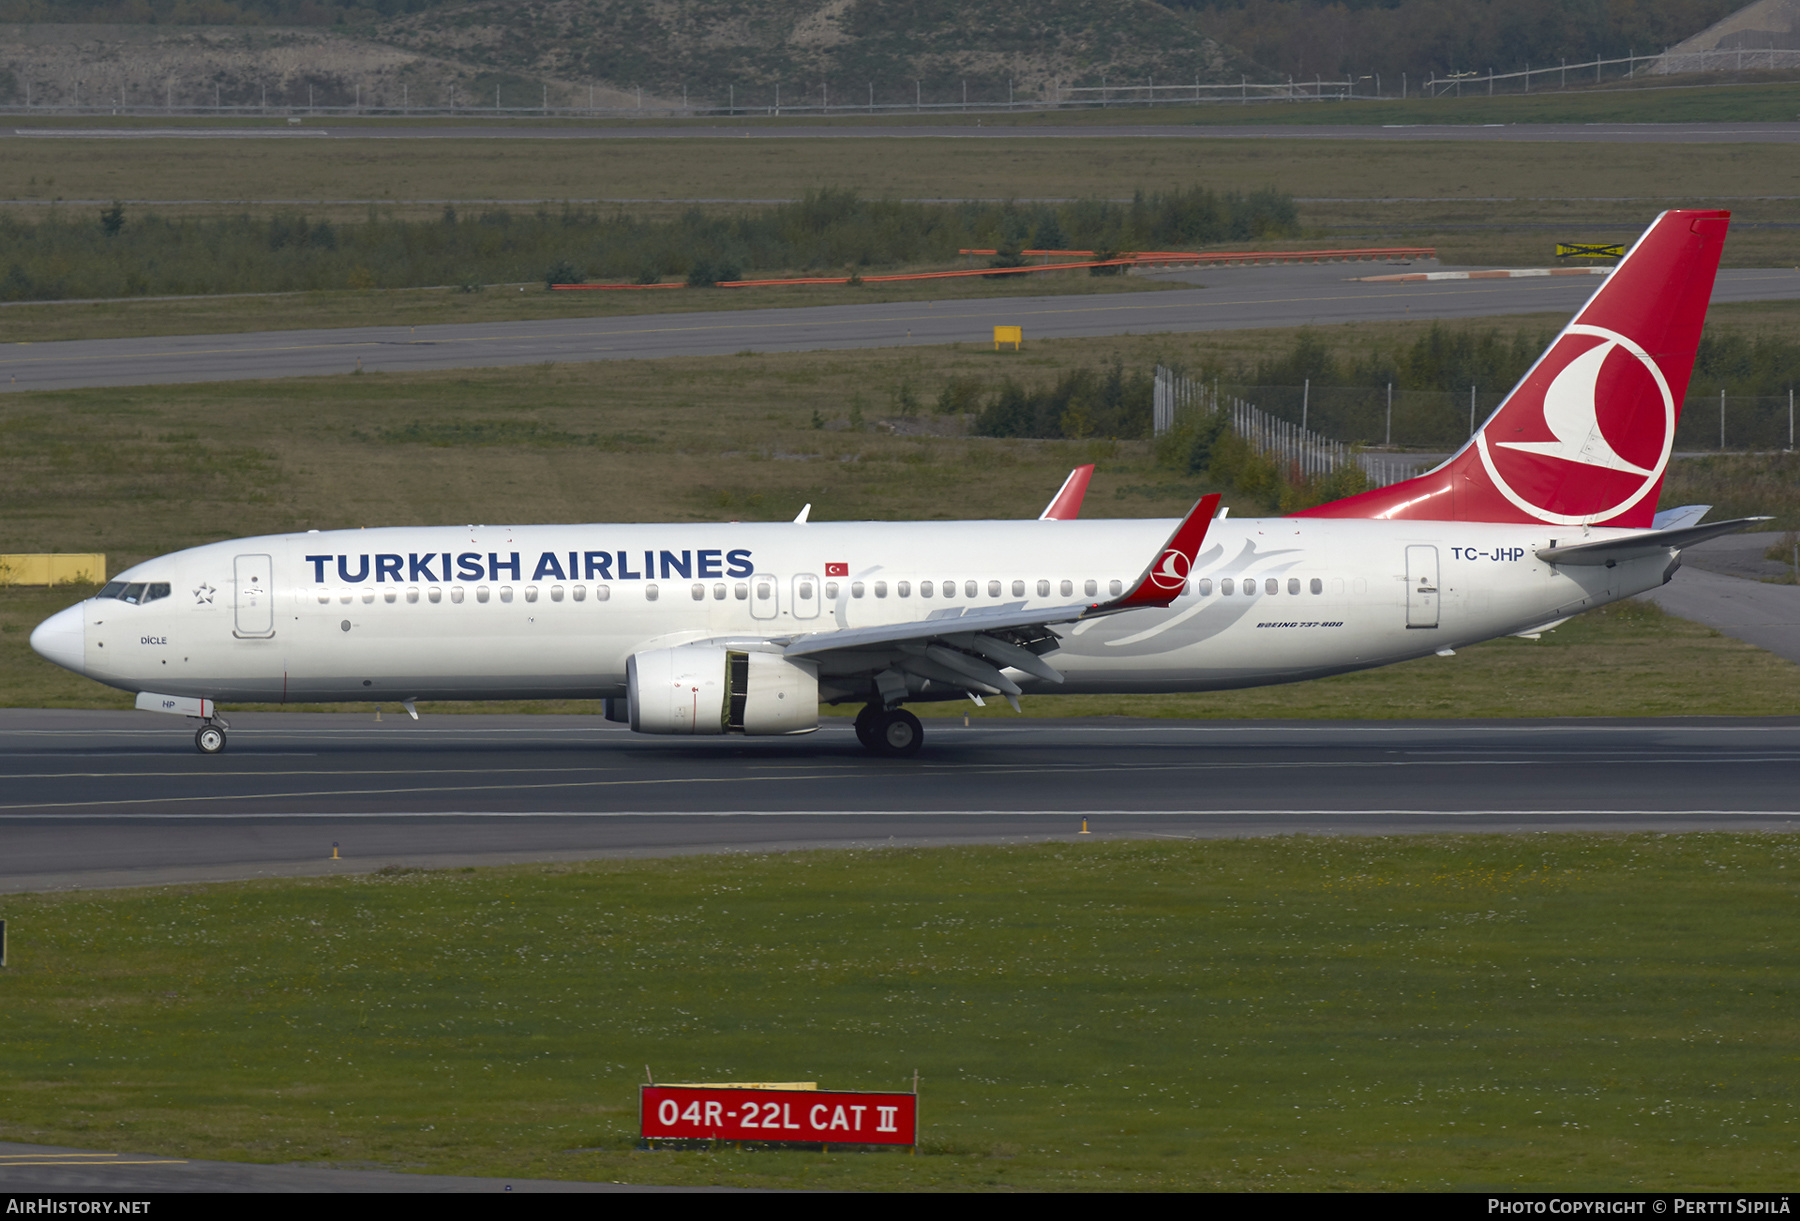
x=136, y=593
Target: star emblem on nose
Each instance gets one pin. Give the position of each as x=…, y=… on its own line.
x=204, y=594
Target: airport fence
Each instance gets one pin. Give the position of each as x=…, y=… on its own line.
x=1315, y=429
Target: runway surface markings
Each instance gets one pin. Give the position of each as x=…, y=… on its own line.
x=819, y=774
x=1473, y=758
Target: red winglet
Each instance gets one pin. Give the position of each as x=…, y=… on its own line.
x=1066, y=504
x=1163, y=581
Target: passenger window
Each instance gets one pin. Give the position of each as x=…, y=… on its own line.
x=1271, y=586
x=1068, y=589
x=388, y=595
x=1115, y=588
x=556, y=593
x=435, y=595
x=741, y=592
x=1090, y=587
x=1249, y=587
x=1043, y=589
x=1227, y=587
x=719, y=592
x=806, y=590
x=699, y=592
x=765, y=589
x=924, y=589
x=831, y=591
x=650, y=592
x=1293, y=585
x=530, y=594
x=481, y=593
x=969, y=589
x=578, y=592
x=1318, y=586
x=1204, y=586
x=368, y=595
x=881, y=589
x=456, y=594
x=324, y=596
x=412, y=594
x=506, y=593
x=344, y=596
x=602, y=592
x=1018, y=589
x=903, y=589
x=856, y=589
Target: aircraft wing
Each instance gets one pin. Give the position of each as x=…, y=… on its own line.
x=1614, y=550
x=966, y=650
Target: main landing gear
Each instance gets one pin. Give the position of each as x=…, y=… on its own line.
x=209, y=739
x=894, y=732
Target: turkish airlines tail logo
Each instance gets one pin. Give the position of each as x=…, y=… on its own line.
x=1585, y=436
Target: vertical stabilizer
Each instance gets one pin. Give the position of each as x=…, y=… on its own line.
x=1585, y=437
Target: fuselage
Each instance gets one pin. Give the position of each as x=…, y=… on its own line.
x=490, y=612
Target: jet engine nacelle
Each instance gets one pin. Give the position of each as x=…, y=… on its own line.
x=706, y=689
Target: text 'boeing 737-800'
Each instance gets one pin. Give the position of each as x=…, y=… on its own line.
x=1547, y=511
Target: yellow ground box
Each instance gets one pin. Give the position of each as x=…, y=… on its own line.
x=1014, y=335
x=51, y=569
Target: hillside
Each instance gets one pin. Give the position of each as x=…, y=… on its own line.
x=846, y=46
x=714, y=49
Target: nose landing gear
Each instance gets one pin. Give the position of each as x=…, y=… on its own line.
x=895, y=733
x=209, y=739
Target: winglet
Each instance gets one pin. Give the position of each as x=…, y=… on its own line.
x=1066, y=504
x=1163, y=581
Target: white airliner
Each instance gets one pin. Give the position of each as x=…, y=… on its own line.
x=1548, y=511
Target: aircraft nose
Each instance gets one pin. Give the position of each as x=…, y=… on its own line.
x=62, y=638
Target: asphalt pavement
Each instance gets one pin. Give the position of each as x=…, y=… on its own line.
x=1232, y=298
x=92, y=799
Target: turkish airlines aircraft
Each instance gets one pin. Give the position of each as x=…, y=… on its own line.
x=1548, y=511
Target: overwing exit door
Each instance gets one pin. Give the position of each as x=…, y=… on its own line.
x=1421, y=586
x=805, y=604
x=255, y=596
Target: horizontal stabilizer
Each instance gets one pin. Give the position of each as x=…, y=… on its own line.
x=1617, y=550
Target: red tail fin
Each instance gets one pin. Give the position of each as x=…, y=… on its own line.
x=1585, y=436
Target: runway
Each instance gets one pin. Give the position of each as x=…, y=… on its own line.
x=999, y=126
x=1233, y=298
x=119, y=798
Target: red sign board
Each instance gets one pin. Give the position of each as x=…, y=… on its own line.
x=686, y=1112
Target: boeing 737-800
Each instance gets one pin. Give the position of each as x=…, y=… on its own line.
x=1549, y=510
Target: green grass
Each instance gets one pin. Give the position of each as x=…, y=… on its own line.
x=1575, y=1013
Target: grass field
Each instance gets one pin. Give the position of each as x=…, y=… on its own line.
x=1460, y=1013
x=1476, y=195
